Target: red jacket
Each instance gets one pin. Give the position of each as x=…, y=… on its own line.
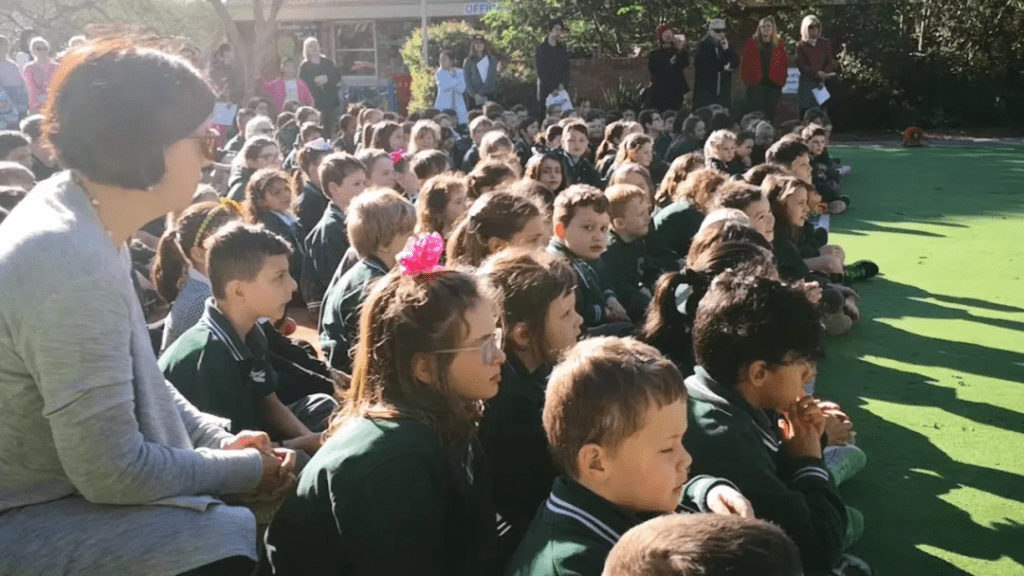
x=751, y=65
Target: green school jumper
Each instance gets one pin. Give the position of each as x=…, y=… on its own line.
x=512, y=434
x=675, y=226
x=590, y=294
x=580, y=171
x=221, y=374
x=575, y=529
x=326, y=245
x=339, y=320
x=382, y=497
x=730, y=438
x=625, y=268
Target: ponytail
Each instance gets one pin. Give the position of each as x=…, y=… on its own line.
x=170, y=266
x=192, y=227
x=670, y=316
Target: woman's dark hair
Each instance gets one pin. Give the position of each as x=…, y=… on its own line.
x=499, y=215
x=612, y=138
x=256, y=191
x=197, y=223
x=402, y=317
x=253, y=146
x=382, y=132
x=676, y=296
x=527, y=282
x=115, y=107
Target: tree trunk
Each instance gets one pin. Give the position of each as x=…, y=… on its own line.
x=250, y=55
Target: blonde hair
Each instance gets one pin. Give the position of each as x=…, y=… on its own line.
x=492, y=142
x=375, y=217
x=422, y=127
x=775, y=30
x=805, y=26
x=619, y=196
x=717, y=138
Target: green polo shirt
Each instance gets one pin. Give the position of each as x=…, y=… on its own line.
x=590, y=294
x=326, y=245
x=383, y=497
x=580, y=171
x=575, y=529
x=339, y=320
x=219, y=372
x=682, y=145
x=675, y=226
x=624, y=270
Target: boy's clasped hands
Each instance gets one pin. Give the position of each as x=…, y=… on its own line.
x=804, y=422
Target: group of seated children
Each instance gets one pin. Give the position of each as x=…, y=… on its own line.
x=548, y=337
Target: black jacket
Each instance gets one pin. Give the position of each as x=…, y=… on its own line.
x=712, y=84
x=668, y=84
x=552, y=66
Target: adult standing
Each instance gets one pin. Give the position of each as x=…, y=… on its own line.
x=481, y=70
x=25, y=55
x=226, y=78
x=322, y=77
x=287, y=87
x=551, y=61
x=816, y=62
x=11, y=80
x=451, y=88
x=97, y=450
x=667, y=64
x=713, y=66
x=765, y=68
x=38, y=74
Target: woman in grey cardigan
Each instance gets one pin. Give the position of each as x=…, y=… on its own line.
x=481, y=69
x=104, y=467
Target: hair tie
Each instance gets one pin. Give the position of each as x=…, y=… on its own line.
x=397, y=156
x=422, y=255
x=225, y=204
x=320, y=145
x=232, y=205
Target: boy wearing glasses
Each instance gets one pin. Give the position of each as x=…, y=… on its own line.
x=713, y=66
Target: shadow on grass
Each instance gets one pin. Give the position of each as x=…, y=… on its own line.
x=902, y=490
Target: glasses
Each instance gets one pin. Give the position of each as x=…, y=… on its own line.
x=208, y=143
x=718, y=30
x=488, y=350
x=815, y=26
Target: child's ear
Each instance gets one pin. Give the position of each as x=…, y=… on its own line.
x=197, y=254
x=618, y=222
x=590, y=462
x=332, y=189
x=495, y=244
x=560, y=230
x=756, y=373
x=521, y=336
x=423, y=368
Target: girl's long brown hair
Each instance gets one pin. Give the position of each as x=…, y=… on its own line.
x=171, y=263
x=612, y=139
x=499, y=215
x=681, y=168
x=256, y=191
x=405, y=316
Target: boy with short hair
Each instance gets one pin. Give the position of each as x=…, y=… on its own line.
x=222, y=364
x=575, y=166
x=44, y=161
x=625, y=264
x=477, y=129
x=794, y=155
x=426, y=164
x=654, y=126
x=14, y=147
x=756, y=342
x=615, y=416
x=704, y=544
x=581, y=236
x=380, y=222
x=824, y=174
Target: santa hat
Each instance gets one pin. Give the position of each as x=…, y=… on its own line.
x=661, y=30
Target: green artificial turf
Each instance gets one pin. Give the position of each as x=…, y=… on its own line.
x=933, y=377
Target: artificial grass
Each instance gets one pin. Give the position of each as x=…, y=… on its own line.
x=933, y=377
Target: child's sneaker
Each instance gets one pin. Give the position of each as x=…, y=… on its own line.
x=844, y=462
x=850, y=565
x=845, y=169
x=861, y=270
x=845, y=199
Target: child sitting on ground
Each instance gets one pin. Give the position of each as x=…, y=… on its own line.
x=541, y=323
x=757, y=342
x=546, y=168
x=222, y=364
x=681, y=167
x=719, y=150
x=577, y=169
x=581, y=235
x=268, y=200
x=705, y=545
x=634, y=174
x=764, y=137
x=477, y=129
x=309, y=202
x=425, y=136
x=625, y=264
x=488, y=176
x=495, y=145
x=401, y=485
x=429, y=163
x=691, y=132
x=406, y=181
x=495, y=221
x=742, y=161
x=442, y=201
x=380, y=223
x=824, y=176
x=615, y=417
x=342, y=177
x=380, y=168
x=676, y=224
x=654, y=126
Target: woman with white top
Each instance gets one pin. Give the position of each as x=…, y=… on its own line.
x=451, y=88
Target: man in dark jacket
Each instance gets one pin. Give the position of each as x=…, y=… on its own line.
x=713, y=66
x=667, y=64
x=551, y=60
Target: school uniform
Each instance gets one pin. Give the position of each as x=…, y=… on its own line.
x=661, y=145
x=459, y=150
x=310, y=207
x=575, y=529
x=288, y=227
x=339, y=322
x=590, y=294
x=606, y=165
x=681, y=146
x=228, y=376
x=470, y=159
x=625, y=270
x=383, y=496
x=512, y=434
x=675, y=226
x=326, y=245
x=580, y=171
x=238, y=181
x=716, y=164
x=826, y=178
x=732, y=439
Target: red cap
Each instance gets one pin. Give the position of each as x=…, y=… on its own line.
x=661, y=30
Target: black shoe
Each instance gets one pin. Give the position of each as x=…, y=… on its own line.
x=861, y=270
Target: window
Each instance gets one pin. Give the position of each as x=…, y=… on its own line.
x=356, y=48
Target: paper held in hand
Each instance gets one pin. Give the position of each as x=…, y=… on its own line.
x=821, y=94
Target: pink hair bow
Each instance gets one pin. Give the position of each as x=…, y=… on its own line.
x=422, y=255
x=397, y=156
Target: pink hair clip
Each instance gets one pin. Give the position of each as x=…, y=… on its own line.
x=397, y=156
x=422, y=255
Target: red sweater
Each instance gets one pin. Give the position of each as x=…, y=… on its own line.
x=811, y=59
x=751, y=64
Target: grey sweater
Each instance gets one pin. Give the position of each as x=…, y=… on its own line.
x=85, y=412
